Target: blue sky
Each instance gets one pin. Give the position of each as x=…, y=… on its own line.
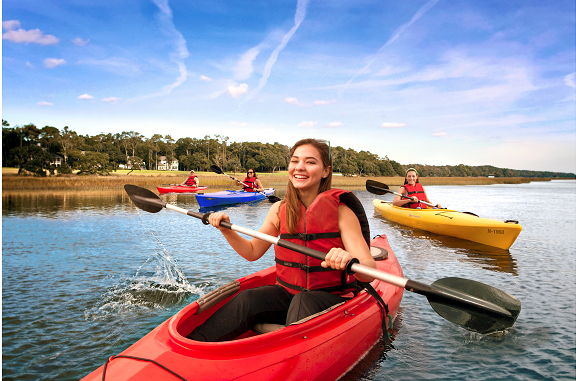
x=438, y=82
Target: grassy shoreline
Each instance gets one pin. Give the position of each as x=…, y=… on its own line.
x=11, y=182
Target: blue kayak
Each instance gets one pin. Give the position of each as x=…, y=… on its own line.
x=231, y=197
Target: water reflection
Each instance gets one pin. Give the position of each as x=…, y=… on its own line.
x=49, y=203
x=488, y=257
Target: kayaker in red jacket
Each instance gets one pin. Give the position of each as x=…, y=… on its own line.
x=290, y=300
x=414, y=190
x=192, y=180
x=251, y=181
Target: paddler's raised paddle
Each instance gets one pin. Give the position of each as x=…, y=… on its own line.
x=218, y=170
x=379, y=188
x=467, y=303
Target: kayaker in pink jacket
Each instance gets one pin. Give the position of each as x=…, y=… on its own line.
x=414, y=191
x=310, y=174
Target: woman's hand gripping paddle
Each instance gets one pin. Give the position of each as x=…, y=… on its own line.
x=216, y=169
x=472, y=305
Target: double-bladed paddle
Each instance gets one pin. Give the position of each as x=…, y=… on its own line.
x=472, y=305
x=218, y=170
x=379, y=188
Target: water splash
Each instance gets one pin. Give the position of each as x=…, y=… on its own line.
x=157, y=284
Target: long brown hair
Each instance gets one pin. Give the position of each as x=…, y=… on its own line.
x=292, y=198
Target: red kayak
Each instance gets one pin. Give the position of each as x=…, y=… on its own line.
x=321, y=348
x=180, y=189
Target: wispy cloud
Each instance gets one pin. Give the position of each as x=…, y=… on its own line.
x=53, y=62
x=324, y=103
x=392, y=125
x=298, y=18
x=205, y=79
x=43, y=104
x=294, y=101
x=121, y=66
x=333, y=124
x=21, y=36
x=395, y=36
x=570, y=80
x=165, y=18
x=244, y=67
x=80, y=42
x=85, y=96
x=440, y=134
x=307, y=124
x=112, y=100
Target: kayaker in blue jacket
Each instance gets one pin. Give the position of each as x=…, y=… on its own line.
x=308, y=288
x=414, y=191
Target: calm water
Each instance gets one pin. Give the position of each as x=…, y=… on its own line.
x=85, y=276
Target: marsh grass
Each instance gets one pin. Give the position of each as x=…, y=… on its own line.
x=151, y=179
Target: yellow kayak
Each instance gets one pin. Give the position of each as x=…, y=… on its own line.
x=490, y=232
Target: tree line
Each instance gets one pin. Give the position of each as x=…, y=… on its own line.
x=37, y=150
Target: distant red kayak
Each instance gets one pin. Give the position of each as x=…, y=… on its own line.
x=180, y=189
x=322, y=348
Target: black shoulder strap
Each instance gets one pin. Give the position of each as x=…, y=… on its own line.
x=350, y=200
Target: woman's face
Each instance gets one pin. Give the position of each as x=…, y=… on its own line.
x=306, y=169
x=250, y=173
x=411, y=177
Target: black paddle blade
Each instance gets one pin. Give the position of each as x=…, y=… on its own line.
x=144, y=199
x=376, y=187
x=273, y=198
x=476, y=318
x=215, y=168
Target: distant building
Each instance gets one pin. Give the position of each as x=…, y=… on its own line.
x=56, y=160
x=490, y=176
x=163, y=165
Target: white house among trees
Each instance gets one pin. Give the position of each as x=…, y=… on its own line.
x=163, y=165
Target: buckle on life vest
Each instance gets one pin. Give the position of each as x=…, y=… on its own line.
x=306, y=237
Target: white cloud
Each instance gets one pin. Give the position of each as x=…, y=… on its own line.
x=43, y=104
x=333, y=124
x=307, y=124
x=292, y=101
x=323, y=103
x=240, y=124
x=85, y=96
x=80, y=42
x=440, y=134
x=236, y=91
x=570, y=80
x=28, y=64
x=110, y=99
x=21, y=36
x=392, y=125
x=205, y=79
x=53, y=62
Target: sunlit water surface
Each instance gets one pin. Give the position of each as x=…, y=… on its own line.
x=86, y=275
